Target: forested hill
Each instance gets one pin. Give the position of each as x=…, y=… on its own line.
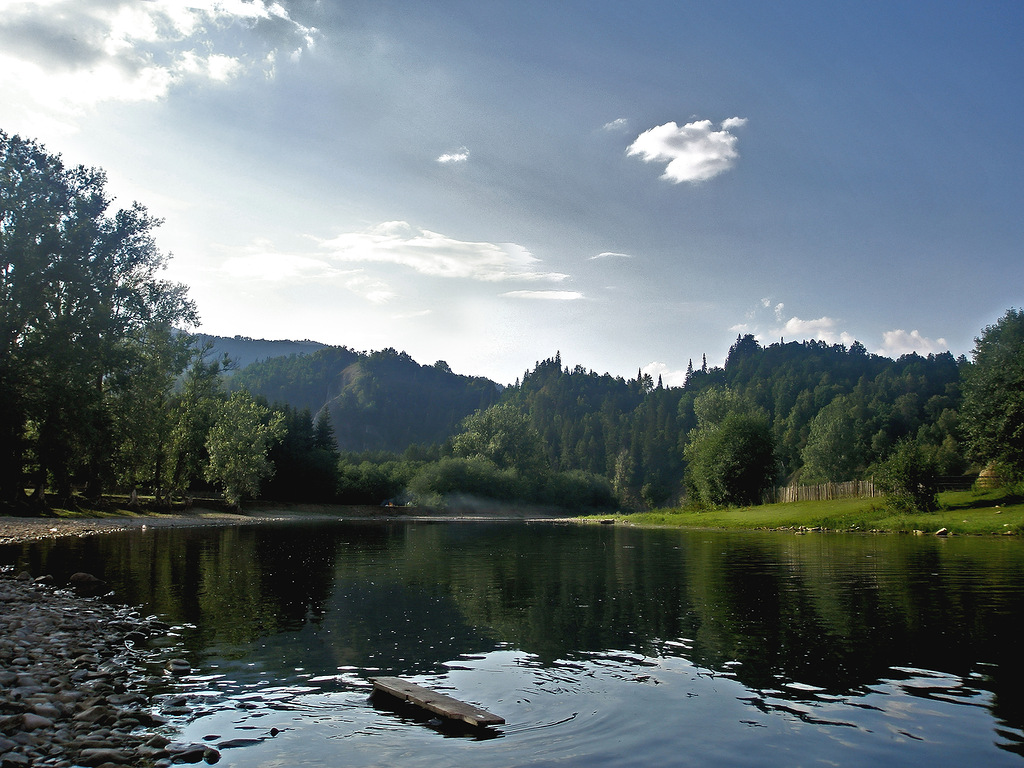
x=242, y=350
x=377, y=401
x=833, y=412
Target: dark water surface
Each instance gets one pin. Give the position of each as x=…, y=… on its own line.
x=601, y=646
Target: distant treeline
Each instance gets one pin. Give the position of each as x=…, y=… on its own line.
x=832, y=414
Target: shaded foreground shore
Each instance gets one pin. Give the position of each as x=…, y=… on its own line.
x=85, y=682
x=80, y=682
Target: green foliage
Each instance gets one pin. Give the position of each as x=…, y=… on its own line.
x=993, y=410
x=731, y=462
x=238, y=444
x=305, y=460
x=79, y=291
x=907, y=478
x=504, y=437
x=376, y=401
x=467, y=476
x=374, y=482
x=141, y=391
x=833, y=453
x=194, y=408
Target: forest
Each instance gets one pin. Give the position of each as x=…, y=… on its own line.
x=104, y=391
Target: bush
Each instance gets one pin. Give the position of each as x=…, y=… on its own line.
x=733, y=462
x=470, y=476
x=907, y=478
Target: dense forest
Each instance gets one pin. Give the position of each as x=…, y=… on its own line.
x=377, y=401
x=103, y=391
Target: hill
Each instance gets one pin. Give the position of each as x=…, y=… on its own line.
x=377, y=401
x=243, y=350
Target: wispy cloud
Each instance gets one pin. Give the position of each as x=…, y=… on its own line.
x=430, y=253
x=261, y=260
x=67, y=55
x=372, y=289
x=610, y=255
x=899, y=342
x=694, y=152
x=545, y=295
x=461, y=155
x=619, y=124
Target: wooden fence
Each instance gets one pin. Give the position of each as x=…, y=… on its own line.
x=854, y=489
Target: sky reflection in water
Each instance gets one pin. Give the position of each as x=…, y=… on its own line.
x=599, y=645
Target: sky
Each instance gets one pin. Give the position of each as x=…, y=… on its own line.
x=489, y=183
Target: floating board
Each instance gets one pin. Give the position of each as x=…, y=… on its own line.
x=435, y=702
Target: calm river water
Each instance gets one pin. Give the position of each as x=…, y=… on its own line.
x=599, y=645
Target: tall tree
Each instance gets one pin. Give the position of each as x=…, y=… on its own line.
x=238, y=444
x=76, y=282
x=731, y=453
x=832, y=453
x=993, y=409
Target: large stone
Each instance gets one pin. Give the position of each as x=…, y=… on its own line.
x=95, y=757
x=31, y=721
x=94, y=714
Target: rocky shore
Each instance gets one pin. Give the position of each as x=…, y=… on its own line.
x=79, y=684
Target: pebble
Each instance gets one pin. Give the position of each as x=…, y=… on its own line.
x=73, y=675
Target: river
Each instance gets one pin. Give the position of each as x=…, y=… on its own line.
x=599, y=645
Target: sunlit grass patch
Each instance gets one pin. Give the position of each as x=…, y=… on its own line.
x=960, y=512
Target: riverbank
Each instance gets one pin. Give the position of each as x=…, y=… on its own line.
x=79, y=684
x=994, y=512
x=15, y=530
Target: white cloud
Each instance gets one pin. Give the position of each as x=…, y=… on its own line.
x=545, y=295
x=822, y=329
x=694, y=152
x=899, y=342
x=619, y=124
x=669, y=378
x=429, y=253
x=610, y=255
x=68, y=55
x=461, y=155
x=765, y=321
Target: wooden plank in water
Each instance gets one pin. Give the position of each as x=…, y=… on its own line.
x=435, y=702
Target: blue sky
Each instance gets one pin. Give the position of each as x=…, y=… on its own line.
x=488, y=183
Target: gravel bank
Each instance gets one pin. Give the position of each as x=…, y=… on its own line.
x=77, y=681
x=18, y=529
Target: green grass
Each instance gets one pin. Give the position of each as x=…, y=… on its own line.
x=960, y=512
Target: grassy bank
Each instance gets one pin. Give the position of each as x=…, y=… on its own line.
x=960, y=512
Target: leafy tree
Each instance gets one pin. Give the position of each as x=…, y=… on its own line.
x=373, y=482
x=141, y=391
x=993, y=409
x=238, y=444
x=305, y=460
x=731, y=453
x=832, y=453
x=907, y=478
x=503, y=436
x=195, y=409
x=472, y=476
x=78, y=287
